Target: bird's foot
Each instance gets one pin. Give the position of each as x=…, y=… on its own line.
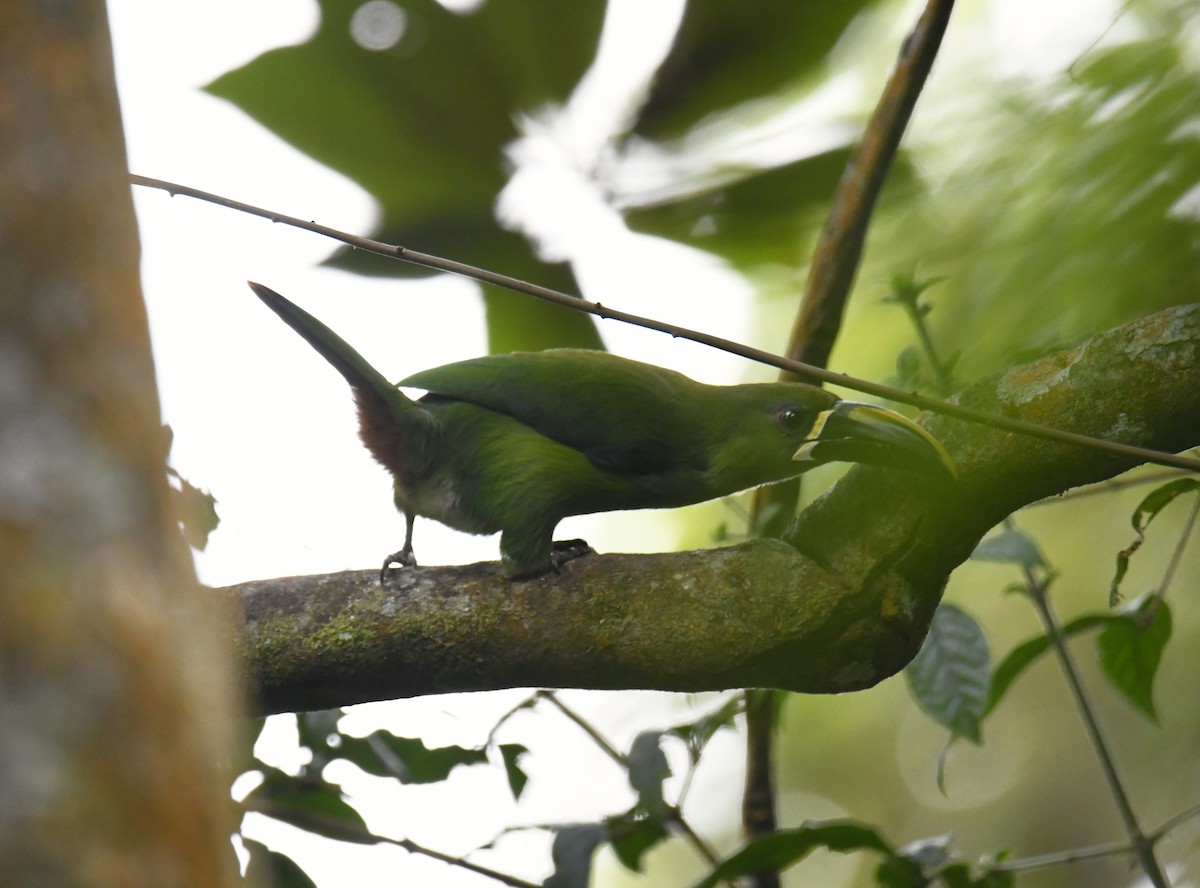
x=562, y=551
x=403, y=558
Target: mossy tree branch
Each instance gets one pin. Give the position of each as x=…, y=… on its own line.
x=846, y=605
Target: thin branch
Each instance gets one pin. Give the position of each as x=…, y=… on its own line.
x=1141, y=846
x=1176, y=556
x=831, y=273
x=835, y=262
x=1111, y=486
x=1092, y=852
x=347, y=831
x=596, y=736
x=807, y=371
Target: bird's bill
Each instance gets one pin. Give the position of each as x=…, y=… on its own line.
x=864, y=433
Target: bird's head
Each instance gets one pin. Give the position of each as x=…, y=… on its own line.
x=785, y=429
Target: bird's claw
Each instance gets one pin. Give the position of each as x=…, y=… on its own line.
x=562, y=551
x=404, y=558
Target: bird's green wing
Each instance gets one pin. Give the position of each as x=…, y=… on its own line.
x=624, y=415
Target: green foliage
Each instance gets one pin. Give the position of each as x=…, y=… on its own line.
x=270, y=869
x=950, y=677
x=1131, y=647
x=1154, y=502
x=1034, y=228
x=423, y=125
x=722, y=57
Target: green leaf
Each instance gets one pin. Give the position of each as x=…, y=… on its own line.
x=1153, y=503
x=1131, y=648
x=780, y=850
x=648, y=768
x=697, y=733
x=517, y=778
x=309, y=804
x=1027, y=653
x=572, y=852
x=423, y=127
x=407, y=759
x=723, y=56
x=950, y=676
x=194, y=509
x=270, y=869
x=633, y=835
x=961, y=875
x=1009, y=547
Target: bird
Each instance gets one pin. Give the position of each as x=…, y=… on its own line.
x=516, y=442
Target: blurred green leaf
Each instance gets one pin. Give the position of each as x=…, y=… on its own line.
x=407, y=759
x=950, y=676
x=517, y=778
x=648, y=768
x=962, y=875
x=195, y=510
x=780, y=850
x=632, y=835
x=309, y=804
x=381, y=753
x=698, y=732
x=1153, y=503
x=1009, y=547
x=270, y=869
x=1025, y=654
x=1131, y=647
x=725, y=54
x=422, y=125
x=572, y=852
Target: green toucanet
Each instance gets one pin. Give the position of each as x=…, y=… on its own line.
x=515, y=443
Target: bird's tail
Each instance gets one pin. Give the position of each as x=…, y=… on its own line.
x=389, y=421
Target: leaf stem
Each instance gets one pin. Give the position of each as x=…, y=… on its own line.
x=1141, y=846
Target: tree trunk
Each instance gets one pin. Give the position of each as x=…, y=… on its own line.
x=115, y=702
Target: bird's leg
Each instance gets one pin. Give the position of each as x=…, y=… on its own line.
x=562, y=551
x=405, y=557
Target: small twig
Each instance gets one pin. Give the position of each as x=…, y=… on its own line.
x=674, y=814
x=596, y=736
x=835, y=262
x=1176, y=556
x=1110, y=486
x=1092, y=852
x=524, y=704
x=1141, y=846
x=324, y=825
x=807, y=371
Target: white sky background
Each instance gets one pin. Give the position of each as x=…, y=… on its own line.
x=265, y=424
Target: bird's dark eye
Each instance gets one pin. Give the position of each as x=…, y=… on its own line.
x=793, y=419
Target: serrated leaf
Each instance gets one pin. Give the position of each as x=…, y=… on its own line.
x=572, y=852
x=1027, y=653
x=648, y=768
x=1153, y=503
x=309, y=804
x=1130, y=651
x=950, y=676
x=779, y=850
x=632, y=836
x=270, y=869
x=1009, y=547
x=517, y=778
